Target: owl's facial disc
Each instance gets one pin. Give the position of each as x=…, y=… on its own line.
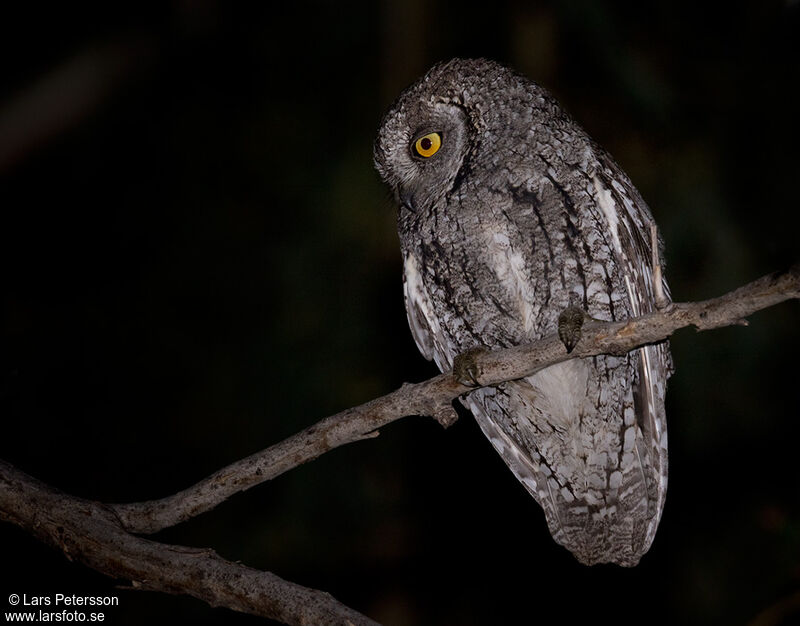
x=435, y=149
x=424, y=145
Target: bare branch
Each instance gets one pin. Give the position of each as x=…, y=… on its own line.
x=99, y=535
x=89, y=532
x=434, y=396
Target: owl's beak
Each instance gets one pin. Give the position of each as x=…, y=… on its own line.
x=406, y=199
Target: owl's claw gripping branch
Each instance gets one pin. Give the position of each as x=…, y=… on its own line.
x=570, y=325
x=466, y=368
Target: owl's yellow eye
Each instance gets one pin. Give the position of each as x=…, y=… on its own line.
x=428, y=145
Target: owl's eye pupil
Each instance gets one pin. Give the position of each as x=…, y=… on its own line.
x=428, y=145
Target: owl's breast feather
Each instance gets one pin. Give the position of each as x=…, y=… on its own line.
x=510, y=268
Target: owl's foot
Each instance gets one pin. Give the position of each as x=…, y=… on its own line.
x=570, y=323
x=466, y=369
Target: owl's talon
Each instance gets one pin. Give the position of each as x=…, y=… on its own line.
x=466, y=369
x=570, y=323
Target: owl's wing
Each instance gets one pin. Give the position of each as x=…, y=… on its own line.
x=629, y=221
x=419, y=309
x=598, y=472
x=587, y=437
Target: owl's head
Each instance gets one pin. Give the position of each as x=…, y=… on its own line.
x=461, y=116
x=424, y=140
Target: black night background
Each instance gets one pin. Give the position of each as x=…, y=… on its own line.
x=197, y=260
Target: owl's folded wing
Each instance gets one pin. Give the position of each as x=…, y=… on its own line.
x=421, y=319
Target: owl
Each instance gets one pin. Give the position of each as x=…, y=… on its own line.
x=508, y=213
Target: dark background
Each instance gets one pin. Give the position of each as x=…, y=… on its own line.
x=198, y=260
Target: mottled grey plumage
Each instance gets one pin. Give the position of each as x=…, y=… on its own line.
x=518, y=213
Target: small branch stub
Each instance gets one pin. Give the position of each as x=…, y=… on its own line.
x=445, y=414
